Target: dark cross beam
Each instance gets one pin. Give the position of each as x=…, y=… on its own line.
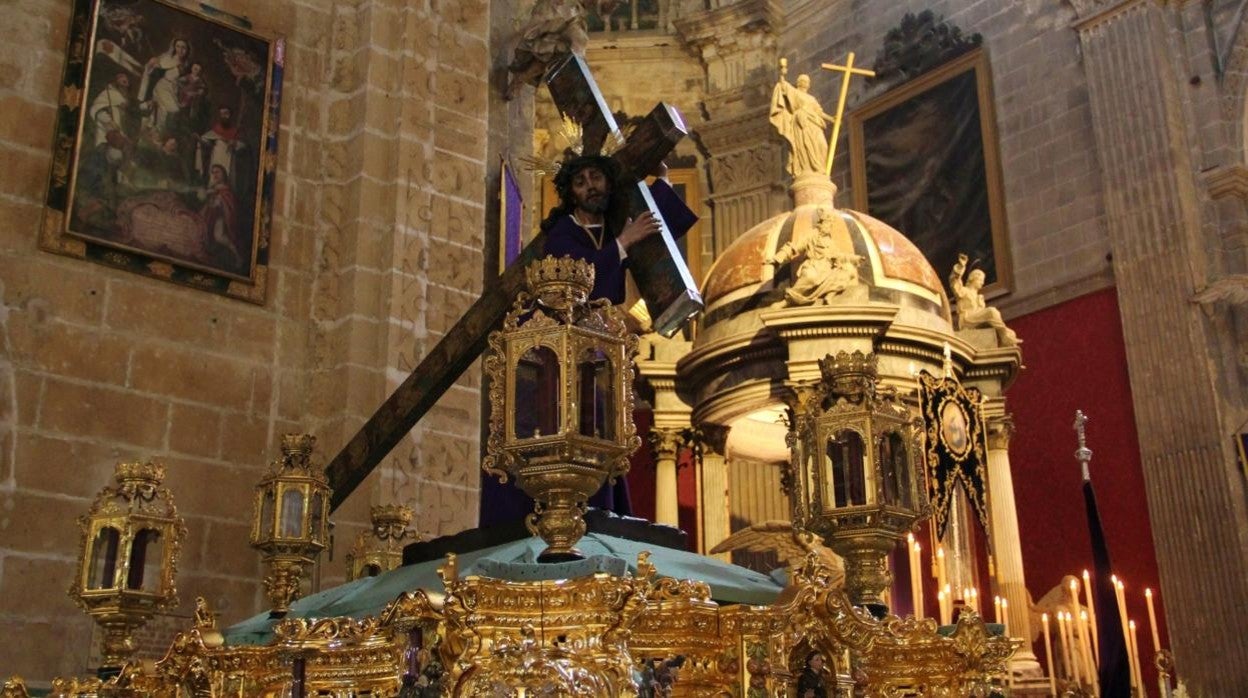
x=651, y=141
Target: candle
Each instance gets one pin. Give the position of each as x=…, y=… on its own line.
x=1152, y=620
x=1072, y=672
x=1005, y=615
x=1137, y=680
x=941, y=580
x=1119, y=595
x=948, y=604
x=916, y=580
x=1085, y=646
x=1087, y=592
x=1048, y=654
x=996, y=609
x=1077, y=631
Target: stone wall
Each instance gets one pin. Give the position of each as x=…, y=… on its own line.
x=376, y=251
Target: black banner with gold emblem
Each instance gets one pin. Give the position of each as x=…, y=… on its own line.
x=956, y=447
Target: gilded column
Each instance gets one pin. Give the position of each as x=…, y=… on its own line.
x=1008, y=554
x=1196, y=498
x=666, y=506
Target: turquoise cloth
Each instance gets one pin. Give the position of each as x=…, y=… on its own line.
x=730, y=584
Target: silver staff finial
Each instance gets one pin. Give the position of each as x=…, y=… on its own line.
x=1083, y=454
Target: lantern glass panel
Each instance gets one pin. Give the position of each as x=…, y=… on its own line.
x=537, y=394
x=103, y=571
x=145, y=560
x=292, y=513
x=846, y=465
x=894, y=467
x=595, y=378
x=266, y=515
x=314, y=520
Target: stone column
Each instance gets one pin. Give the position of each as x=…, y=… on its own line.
x=666, y=506
x=737, y=44
x=1007, y=545
x=1196, y=498
x=713, y=489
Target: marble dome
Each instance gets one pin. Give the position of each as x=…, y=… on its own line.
x=751, y=342
x=893, y=270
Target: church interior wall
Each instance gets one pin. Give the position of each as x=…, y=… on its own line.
x=1052, y=186
x=376, y=250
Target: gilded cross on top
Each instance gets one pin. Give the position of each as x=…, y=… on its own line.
x=847, y=72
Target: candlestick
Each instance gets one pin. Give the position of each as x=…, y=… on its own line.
x=1048, y=654
x=1096, y=642
x=1152, y=620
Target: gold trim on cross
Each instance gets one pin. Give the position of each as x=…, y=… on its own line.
x=847, y=71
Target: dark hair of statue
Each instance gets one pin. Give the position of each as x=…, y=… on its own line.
x=618, y=205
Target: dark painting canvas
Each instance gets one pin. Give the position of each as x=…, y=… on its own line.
x=925, y=163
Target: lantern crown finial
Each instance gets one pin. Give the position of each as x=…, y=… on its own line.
x=297, y=451
x=560, y=282
x=139, y=472
x=850, y=375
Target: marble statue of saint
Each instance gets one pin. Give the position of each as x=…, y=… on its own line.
x=799, y=117
x=973, y=311
x=823, y=273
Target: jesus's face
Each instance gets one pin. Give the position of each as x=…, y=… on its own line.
x=591, y=191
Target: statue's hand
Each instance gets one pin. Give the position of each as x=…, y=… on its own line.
x=962, y=258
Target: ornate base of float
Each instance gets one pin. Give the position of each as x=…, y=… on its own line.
x=588, y=636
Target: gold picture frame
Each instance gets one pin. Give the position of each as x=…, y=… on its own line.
x=919, y=164
x=165, y=146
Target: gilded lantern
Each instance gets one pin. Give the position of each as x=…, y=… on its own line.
x=128, y=557
x=854, y=445
x=381, y=549
x=561, y=400
x=290, y=520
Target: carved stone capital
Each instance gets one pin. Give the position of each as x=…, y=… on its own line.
x=1227, y=181
x=715, y=438
x=665, y=441
x=721, y=30
x=1000, y=430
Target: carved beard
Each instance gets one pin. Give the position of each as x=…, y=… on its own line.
x=595, y=204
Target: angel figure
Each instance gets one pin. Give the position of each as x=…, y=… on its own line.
x=793, y=545
x=823, y=273
x=973, y=310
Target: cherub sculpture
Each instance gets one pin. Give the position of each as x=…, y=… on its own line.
x=823, y=273
x=973, y=311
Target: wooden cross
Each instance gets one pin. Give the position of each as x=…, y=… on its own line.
x=847, y=72
x=576, y=94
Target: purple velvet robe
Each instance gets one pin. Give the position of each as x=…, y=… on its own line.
x=501, y=503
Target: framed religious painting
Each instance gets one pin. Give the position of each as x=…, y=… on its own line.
x=924, y=160
x=165, y=145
